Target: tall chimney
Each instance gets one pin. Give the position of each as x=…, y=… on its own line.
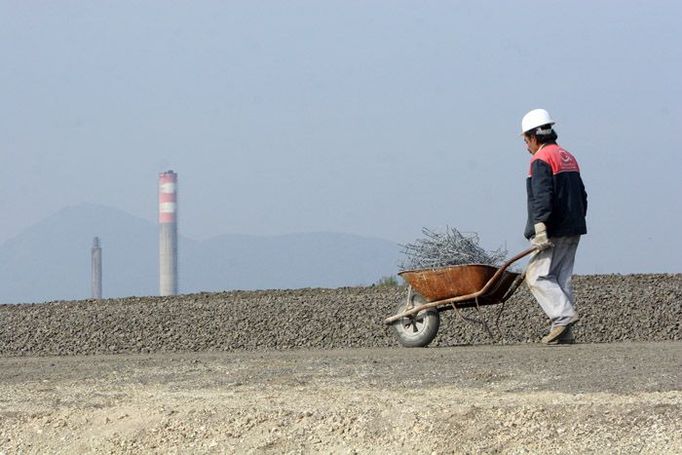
x=96, y=269
x=168, y=233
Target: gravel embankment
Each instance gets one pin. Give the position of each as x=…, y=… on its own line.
x=612, y=307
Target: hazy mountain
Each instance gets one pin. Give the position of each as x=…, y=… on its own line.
x=51, y=260
x=288, y=261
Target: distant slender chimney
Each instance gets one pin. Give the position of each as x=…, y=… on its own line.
x=168, y=233
x=96, y=269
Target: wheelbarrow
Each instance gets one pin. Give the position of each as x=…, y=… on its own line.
x=432, y=291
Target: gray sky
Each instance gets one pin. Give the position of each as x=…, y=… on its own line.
x=373, y=118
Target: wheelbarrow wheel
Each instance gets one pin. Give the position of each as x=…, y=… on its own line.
x=419, y=330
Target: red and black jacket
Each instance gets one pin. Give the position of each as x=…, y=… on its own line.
x=556, y=194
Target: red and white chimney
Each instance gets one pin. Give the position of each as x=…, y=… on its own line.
x=168, y=233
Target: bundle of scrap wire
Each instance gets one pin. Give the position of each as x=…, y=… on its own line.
x=451, y=247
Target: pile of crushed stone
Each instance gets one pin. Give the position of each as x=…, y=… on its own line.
x=613, y=308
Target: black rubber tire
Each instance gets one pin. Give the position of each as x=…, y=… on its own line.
x=417, y=331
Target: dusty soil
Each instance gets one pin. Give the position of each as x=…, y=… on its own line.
x=588, y=398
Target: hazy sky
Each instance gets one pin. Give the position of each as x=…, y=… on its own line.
x=374, y=118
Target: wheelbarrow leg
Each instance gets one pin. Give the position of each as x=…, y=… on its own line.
x=515, y=285
x=484, y=322
x=481, y=321
x=497, y=322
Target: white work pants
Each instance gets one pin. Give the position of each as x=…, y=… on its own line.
x=549, y=278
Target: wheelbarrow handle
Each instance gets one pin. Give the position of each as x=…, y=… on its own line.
x=522, y=276
x=521, y=255
x=504, y=267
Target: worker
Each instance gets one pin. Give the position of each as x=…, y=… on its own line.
x=557, y=205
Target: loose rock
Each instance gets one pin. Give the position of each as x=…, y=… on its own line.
x=612, y=308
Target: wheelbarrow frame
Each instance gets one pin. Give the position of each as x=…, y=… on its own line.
x=472, y=299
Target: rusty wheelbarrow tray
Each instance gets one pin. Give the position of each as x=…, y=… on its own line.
x=432, y=291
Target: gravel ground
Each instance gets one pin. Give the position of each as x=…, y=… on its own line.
x=316, y=371
x=612, y=307
x=586, y=398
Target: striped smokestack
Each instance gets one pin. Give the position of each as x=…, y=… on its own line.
x=168, y=233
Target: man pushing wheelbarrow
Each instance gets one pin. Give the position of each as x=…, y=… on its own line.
x=557, y=205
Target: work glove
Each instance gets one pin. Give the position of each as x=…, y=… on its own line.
x=540, y=239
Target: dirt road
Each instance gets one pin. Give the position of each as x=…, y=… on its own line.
x=601, y=398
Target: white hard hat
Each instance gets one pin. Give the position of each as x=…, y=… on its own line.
x=535, y=118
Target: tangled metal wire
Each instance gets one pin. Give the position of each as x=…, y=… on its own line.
x=448, y=248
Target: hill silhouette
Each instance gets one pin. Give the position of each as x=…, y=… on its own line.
x=51, y=259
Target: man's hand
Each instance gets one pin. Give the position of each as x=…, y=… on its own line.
x=540, y=240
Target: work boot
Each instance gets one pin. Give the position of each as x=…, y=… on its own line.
x=567, y=337
x=553, y=336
